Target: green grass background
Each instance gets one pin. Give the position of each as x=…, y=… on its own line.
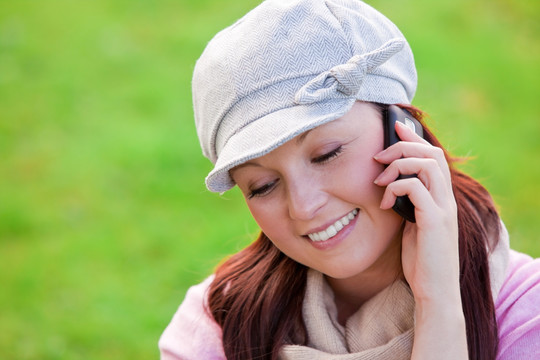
x=104, y=218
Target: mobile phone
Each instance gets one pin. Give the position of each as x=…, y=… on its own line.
x=403, y=205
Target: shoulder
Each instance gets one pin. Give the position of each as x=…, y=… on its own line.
x=518, y=309
x=192, y=332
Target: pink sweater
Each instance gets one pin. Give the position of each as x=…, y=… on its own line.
x=194, y=335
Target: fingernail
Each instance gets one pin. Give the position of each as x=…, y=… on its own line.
x=378, y=155
x=402, y=125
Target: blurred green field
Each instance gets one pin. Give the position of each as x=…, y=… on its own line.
x=104, y=217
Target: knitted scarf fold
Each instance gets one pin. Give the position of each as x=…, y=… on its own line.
x=383, y=327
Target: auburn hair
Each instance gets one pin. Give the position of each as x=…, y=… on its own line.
x=256, y=296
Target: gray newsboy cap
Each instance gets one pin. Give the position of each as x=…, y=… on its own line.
x=289, y=66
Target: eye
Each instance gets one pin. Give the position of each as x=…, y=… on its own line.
x=327, y=156
x=262, y=190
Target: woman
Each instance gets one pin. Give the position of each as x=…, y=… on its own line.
x=290, y=103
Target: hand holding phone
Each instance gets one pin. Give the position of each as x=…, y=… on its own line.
x=403, y=205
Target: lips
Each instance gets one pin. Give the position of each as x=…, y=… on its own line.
x=333, y=229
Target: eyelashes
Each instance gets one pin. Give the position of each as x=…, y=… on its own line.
x=269, y=186
x=328, y=156
x=262, y=190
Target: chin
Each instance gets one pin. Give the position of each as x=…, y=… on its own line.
x=344, y=272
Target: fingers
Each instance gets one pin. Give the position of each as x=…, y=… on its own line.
x=415, y=156
x=412, y=187
x=406, y=134
x=428, y=212
x=418, y=149
x=429, y=173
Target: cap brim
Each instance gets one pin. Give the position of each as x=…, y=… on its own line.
x=269, y=132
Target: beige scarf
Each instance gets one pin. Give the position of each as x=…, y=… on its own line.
x=383, y=328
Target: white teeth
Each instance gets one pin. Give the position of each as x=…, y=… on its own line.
x=333, y=229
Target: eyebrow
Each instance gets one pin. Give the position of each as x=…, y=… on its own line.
x=300, y=139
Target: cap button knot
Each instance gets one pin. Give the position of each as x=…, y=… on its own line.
x=345, y=80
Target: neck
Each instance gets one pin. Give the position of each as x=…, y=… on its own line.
x=351, y=293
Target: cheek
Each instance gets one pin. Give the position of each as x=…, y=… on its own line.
x=356, y=179
x=270, y=218
x=276, y=227
x=359, y=169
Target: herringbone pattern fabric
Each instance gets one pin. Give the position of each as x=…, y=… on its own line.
x=288, y=66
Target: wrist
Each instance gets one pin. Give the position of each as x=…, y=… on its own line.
x=445, y=313
x=440, y=331
x=439, y=299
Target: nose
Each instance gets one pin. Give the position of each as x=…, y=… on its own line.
x=305, y=198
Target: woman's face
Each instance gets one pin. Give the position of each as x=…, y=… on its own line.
x=314, y=196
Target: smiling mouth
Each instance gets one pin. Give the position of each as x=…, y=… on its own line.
x=333, y=229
